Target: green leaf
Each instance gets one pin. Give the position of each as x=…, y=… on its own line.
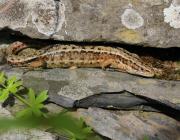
x=4, y=95
x=42, y=97
x=2, y=77
x=11, y=80
x=87, y=130
x=18, y=84
x=25, y=112
x=13, y=85
x=36, y=111
x=31, y=96
x=40, y=106
x=36, y=102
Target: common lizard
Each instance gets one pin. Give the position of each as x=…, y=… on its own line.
x=67, y=56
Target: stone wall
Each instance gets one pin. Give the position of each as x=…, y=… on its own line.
x=153, y=23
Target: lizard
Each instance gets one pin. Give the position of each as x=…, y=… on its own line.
x=69, y=56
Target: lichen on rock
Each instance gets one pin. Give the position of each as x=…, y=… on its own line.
x=48, y=16
x=132, y=19
x=172, y=15
x=12, y=13
x=130, y=36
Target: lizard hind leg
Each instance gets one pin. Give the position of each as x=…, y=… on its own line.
x=107, y=63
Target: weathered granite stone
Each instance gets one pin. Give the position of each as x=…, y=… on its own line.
x=131, y=125
x=65, y=86
x=22, y=134
x=71, y=85
x=4, y=112
x=153, y=23
x=80, y=83
x=26, y=135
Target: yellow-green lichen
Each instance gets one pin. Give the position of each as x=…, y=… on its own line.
x=129, y=36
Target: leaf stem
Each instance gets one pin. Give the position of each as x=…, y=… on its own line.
x=22, y=100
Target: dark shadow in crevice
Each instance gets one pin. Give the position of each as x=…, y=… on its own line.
x=8, y=36
x=165, y=107
x=123, y=101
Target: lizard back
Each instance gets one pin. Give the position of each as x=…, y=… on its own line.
x=84, y=56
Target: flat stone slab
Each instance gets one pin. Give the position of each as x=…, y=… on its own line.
x=80, y=83
x=153, y=23
x=70, y=85
x=119, y=125
x=23, y=134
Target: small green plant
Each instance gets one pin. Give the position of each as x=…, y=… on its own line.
x=33, y=116
x=34, y=104
x=8, y=86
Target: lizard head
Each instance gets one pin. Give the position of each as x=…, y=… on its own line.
x=15, y=47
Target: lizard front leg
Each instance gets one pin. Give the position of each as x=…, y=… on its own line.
x=36, y=64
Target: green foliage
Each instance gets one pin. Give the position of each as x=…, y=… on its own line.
x=8, y=86
x=62, y=123
x=75, y=128
x=146, y=137
x=2, y=78
x=33, y=116
x=35, y=104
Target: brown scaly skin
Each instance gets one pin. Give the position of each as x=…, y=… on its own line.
x=67, y=56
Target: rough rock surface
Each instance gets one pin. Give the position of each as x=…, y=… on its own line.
x=77, y=84
x=80, y=83
x=26, y=135
x=153, y=23
x=23, y=134
x=131, y=125
x=70, y=85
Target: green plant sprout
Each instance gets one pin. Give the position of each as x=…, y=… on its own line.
x=34, y=104
x=33, y=116
x=8, y=86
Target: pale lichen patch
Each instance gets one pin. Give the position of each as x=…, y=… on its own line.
x=172, y=15
x=132, y=19
x=129, y=36
x=46, y=17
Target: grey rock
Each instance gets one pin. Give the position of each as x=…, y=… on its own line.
x=118, y=125
x=53, y=108
x=27, y=135
x=65, y=86
x=150, y=23
x=81, y=83
x=4, y=112
x=22, y=134
x=70, y=85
